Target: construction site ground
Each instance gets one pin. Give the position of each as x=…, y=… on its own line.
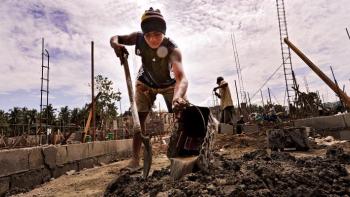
x=242, y=166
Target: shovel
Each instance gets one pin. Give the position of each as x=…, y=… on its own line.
x=147, y=154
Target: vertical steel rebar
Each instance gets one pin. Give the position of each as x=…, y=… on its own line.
x=239, y=107
x=336, y=83
x=93, y=93
x=285, y=51
x=44, y=53
x=262, y=99
x=41, y=79
x=268, y=89
x=47, y=87
x=238, y=69
x=250, y=104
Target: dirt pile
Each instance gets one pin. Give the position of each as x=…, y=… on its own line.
x=258, y=173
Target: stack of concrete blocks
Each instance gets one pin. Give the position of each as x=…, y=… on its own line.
x=25, y=168
x=226, y=129
x=337, y=126
x=229, y=129
x=250, y=128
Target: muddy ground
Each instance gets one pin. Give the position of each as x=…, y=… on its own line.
x=258, y=172
x=242, y=167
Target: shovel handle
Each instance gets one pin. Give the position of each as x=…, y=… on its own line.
x=122, y=53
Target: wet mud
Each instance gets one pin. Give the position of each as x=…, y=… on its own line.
x=257, y=173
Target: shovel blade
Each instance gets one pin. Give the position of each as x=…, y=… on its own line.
x=147, y=156
x=181, y=166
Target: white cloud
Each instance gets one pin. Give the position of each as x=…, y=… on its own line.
x=201, y=29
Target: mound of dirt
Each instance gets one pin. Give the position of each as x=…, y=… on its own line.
x=258, y=173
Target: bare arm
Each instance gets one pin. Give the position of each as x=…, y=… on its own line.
x=218, y=87
x=181, y=80
x=117, y=41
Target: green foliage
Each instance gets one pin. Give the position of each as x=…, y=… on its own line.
x=106, y=111
x=64, y=115
x=106, y=108
x=256, y=108
x=75, y=116
x=49, y=115
x=3, y=119
x=14, y=115
x=32, y=115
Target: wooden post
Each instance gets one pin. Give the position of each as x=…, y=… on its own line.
x=324, y=77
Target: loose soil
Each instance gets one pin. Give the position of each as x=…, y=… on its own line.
x=242, y=166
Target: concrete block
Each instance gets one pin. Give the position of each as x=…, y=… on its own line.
x=58, y=171
x=347, y=120
x=112, y=146
x=61, y=155
x=45, y=174
x=329, y=122
x=77, y=152
x=106, y=159
x=322, y=122
x=250, y=128
x=124, y=147
x=13, y=161
x=27, y=180
x=344, y=134
x=303, y=122
x=4, y=185
x=86, y=163
x=49, y=153
x=36, y=158
x=226, y=128
x=97, y=148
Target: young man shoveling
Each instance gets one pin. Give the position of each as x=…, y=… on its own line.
x=161, y=71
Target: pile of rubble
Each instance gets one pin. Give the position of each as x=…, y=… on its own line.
x=258, y=173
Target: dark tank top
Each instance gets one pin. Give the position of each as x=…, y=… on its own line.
x=156, y=68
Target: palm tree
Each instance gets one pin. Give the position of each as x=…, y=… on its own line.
x=14, y=117
x=64, y=116
x=74, y=117
x=32, y=116
x=3, y=121
x=3, y=118
x=49, y=115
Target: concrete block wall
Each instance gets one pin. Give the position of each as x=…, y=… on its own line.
x=25, y=168
x=337, y=126
x=325, y=122
x=229, y=129
x=347, y=119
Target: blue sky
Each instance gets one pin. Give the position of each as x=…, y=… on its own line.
x=201, y=29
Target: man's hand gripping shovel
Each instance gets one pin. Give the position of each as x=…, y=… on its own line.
x=147, y=155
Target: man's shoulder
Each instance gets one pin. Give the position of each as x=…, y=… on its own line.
x=171, y=43
x=223, y=82
x=138, y=34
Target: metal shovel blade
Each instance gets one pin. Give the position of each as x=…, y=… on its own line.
x=147, y=156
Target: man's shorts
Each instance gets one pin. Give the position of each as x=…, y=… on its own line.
x=145, y=96
x=226, y=115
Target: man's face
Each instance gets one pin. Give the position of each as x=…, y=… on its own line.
x=154, y=39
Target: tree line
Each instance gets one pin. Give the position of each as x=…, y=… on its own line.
x=21, y=119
